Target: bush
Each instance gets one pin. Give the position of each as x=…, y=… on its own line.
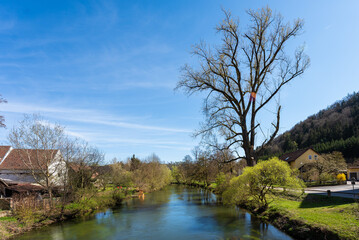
x=341, y=177
x=222, y=182
x=253, y=186
x=326, y=177
x=120, y=176
x=27, y=215
x=151, y=176
x=176, y=175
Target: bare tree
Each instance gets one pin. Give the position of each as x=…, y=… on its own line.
x=242, y=76
x=84, y=164
x=69, y=150
x=2, y=119
x=37, y=144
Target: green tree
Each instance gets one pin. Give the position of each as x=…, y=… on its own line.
x=289, y=145
x=151, y=174
x=176, y=175
x=134, y=163
x=256, y=183
x=222, y=182
x=121, y=177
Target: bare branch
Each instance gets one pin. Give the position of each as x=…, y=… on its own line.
x=249, y=65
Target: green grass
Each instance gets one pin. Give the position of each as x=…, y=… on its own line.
x=8, y=219
x=339, y=215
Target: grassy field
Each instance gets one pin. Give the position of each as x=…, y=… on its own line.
x=337, y=215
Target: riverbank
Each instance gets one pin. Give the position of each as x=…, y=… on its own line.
x=28, y=219
x=313, y=217
x=12, y=226
x=309, y=216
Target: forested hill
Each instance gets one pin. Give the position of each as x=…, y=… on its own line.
x=333, y=129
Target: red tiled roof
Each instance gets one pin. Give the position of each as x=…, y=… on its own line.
x=3, y=151
x=25, y=159
x=292, y=156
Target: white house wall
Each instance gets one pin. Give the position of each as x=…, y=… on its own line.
x=58, y=170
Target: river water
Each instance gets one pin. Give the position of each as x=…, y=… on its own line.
x=176, y=212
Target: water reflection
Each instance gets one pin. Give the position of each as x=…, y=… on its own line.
x=177, y=212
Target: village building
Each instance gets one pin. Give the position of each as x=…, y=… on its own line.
x=353, y=172
x=298, y=158
x=30, y=165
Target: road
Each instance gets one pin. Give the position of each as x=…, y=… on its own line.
x=345, y=191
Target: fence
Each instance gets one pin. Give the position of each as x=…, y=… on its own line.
x=5, y=203
x=33, y=203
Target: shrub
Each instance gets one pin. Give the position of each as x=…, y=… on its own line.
x=341, y=177
x=326, y=177
x=151, y=176
x=253, y=186
x=176, y=175
x=27, y=215
x=222, y=182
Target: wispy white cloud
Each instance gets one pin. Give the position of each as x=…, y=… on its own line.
x=151, y=143
x=108, y=131
x=66, y=131
x=85, y=116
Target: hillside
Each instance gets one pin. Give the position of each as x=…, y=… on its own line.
x=335, y=128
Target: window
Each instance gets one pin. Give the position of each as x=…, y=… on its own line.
x=310, y=157
x=316, y=157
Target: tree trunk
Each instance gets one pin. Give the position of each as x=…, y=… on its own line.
x=50, y=196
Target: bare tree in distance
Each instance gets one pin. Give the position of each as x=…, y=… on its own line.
x=36, y=143
x=85, y=162
x=242, y=76
x=2, y=119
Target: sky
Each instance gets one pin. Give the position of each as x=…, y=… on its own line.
x=106, y=70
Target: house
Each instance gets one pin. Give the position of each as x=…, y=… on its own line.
x=300, y=157
x=31, y=165
x=353, y=172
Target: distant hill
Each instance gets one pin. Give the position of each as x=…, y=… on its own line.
x=335, y=128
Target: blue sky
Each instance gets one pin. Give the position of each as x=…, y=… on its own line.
x=107, y=69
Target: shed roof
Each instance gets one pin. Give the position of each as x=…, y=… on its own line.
x=21, y=186
x=26, y=187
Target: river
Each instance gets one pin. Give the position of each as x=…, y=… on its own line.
x=176, y=212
